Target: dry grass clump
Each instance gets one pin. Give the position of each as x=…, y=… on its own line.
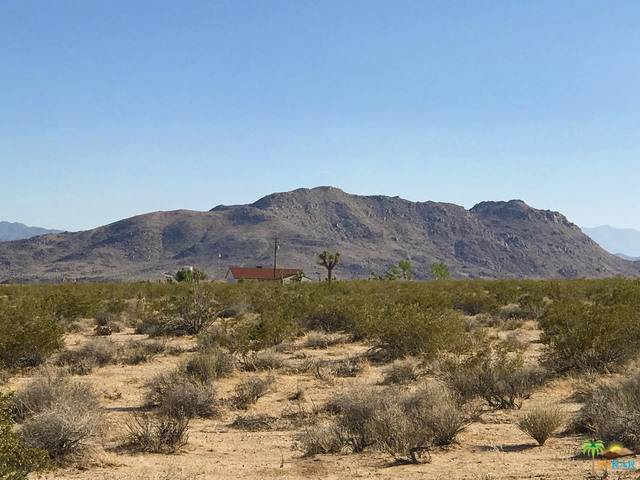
x=59, y=415
x=250, y=391
x=176, y=393
x=209, y=365
x=262, y=360
x=541, y=421
x=322, y=340
x=254, y=422
x=400, y=372
x=160, y=433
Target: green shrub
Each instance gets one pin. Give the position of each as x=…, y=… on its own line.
x=400, y=330
x=16, y=459
x=582, y=336
x=29, y=333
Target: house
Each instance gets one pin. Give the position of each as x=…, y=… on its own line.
x=260, y=274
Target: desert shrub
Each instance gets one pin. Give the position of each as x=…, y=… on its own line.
x=329, y=319
x=262, y=360
x=582, y=336
x=320, y=439
x=97, y=352
x=475, y=302
x=29, y=333
x=612, y=412
x=52, y=388
x=136, y=352
x=400, y=330
x=209, y=365
x=62, y=430
x=16, y=459
x=495, y=375
x=176, y=393
x=400, y=372
x=347, y=367
x=161, y=433
x=323, y=340
x=540, y=422
x=187, y=314
x=511, y=311
x=250, y=391
x=405, y=425
x=355, y=412
x=253, y=422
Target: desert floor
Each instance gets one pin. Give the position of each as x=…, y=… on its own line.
x=493, y=448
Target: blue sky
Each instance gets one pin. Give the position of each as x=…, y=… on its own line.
x=113, y=108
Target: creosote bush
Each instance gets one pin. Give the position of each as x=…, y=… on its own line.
x=541, y=421
x=581, y=336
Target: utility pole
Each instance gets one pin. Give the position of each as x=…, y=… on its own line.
x=275, y=257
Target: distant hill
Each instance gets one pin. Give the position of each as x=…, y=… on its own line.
x=17, y=231
x=491, y=240
x=622, y=241
x=627, y=257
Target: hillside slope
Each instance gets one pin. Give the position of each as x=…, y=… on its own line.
x=17, y=231
x=491, y=240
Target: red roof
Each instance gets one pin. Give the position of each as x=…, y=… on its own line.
x=262, y=273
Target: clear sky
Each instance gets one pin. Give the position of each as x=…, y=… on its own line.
x=110, y=108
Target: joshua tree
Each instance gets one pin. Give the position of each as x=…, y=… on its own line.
x=440, y=271
x=593, y=448
x=329, y=261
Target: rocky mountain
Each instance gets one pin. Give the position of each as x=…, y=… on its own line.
x=625, y=242
x=491, y=240
x=18, y=231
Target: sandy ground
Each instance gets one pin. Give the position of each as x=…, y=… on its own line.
x=492, y=448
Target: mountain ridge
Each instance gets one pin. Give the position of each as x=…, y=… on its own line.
x=495, y=239
x=18, y=231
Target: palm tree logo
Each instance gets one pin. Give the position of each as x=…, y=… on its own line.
x=593, y=448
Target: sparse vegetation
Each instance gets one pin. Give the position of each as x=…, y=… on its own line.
x=209, y=365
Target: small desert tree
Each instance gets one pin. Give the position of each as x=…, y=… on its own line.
x=440, y=271
x=329, y=260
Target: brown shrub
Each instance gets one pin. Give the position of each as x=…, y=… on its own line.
x=541, y=421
